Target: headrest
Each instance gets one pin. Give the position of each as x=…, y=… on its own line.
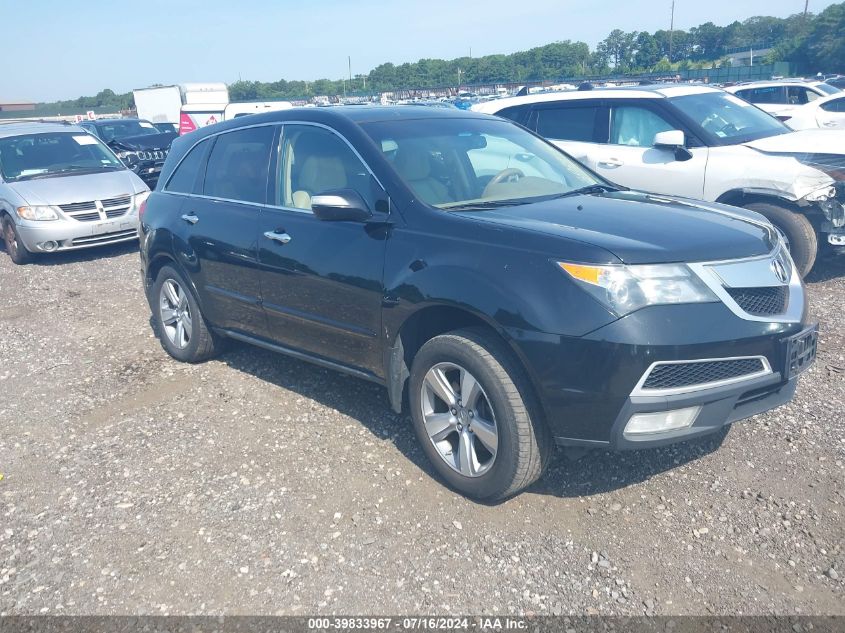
x=412, y=162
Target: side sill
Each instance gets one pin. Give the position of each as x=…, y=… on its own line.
x=316, y=360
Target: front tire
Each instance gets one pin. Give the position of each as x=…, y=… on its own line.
x=803, y=241
x=14, y=246
x=475, y=415
x=178, y=321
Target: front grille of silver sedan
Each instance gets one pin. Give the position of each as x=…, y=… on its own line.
x=93, y=210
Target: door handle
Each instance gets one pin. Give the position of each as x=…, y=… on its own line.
x=829, y=123
x=190, y=218
x=276, y=236
x=611, y=163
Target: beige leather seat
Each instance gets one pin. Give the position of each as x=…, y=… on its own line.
x=319, y=174
x=413, y=163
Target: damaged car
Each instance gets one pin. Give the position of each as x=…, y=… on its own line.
x=138, y=143
x=703, y=143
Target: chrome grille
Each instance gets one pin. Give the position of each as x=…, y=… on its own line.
x=695, y=374
x=156, y=154
x=89, y=211
x=764, y=301
x=116, y=202
x=78, y=206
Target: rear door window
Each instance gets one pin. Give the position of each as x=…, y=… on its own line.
x=238, y=165
x=769, y=94
x=568, y=123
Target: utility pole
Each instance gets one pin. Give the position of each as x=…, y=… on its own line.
x=349, y=59
x=806, y=8
x=671, y=28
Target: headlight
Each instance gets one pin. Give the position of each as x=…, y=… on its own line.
x=38, y=213
x=129, y=158
x=140, y=198
x=623, y=289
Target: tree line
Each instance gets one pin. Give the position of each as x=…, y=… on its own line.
x=812, y=43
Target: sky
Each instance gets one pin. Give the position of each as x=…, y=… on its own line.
x=64, y=50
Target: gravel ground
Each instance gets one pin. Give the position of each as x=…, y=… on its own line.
x=255, y=484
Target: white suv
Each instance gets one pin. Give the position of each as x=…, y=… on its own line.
x=700, y=142
x=785, y=97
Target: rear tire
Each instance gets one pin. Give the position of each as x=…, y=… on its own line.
x=803, y=241
x=14, y=246
x=522, y=445
x=178, y=320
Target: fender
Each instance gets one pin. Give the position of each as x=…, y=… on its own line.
x=521, y=308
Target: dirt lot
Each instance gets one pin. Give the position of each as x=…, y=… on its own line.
x=257, y=484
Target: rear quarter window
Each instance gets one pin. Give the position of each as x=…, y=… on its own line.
x=771, y=94
x=568, y=123
x=518, y=114
x=184, y=178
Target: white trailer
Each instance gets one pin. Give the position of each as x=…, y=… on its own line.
x=158, y=104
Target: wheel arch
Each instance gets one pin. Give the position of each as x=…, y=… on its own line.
x=742, y=197
x=158, y=261
x=423, y=325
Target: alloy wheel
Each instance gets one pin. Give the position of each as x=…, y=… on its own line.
x=459, y=419
x=175, y=311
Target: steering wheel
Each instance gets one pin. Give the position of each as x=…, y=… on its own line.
x=511, y=174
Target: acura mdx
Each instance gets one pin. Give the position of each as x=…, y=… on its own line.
x=506, y=295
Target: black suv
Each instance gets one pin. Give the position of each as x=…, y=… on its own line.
x=138, y=143
x=509, y=297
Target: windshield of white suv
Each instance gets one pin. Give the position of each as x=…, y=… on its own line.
x=828, y=89
x=725, y=119
x=49, y=154
x=467, y=163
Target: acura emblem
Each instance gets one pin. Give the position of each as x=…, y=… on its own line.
x=779, y=270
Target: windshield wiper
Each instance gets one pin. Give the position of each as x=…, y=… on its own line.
x=487, y=204
x=589, y=190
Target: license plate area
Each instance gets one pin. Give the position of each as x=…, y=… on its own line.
x=801, y=351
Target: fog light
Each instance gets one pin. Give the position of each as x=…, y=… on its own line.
x=836, y=239
x=48, y=246
x=661, y=421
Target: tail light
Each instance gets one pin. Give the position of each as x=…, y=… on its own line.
x=185, y=123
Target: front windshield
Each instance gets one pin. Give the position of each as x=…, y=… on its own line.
x=50, y=154
x=457, y=162
x=120, y=128
x=828, y=89
x=727, y=120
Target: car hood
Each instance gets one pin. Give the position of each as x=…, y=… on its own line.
x=803, y=141
x=641, y=228
x=81, y=188
x=144, y=141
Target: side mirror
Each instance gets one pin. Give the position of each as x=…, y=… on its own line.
x=673, y=140
x=339, y=205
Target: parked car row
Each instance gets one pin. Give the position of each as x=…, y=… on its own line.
x=510, y=297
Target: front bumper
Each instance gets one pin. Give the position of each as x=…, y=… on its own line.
x=70, y=234
x=589, y=386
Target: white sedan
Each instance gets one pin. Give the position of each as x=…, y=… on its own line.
x=827, y=113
